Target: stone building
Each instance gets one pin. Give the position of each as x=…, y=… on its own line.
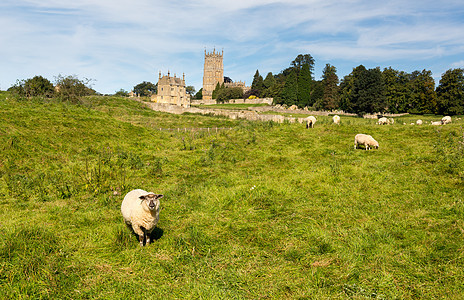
x=171, y=90
x=213, y=73
x=240, y=84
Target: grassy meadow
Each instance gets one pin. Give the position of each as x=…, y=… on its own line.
x=261, y=211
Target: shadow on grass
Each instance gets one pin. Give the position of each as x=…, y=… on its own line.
x=125, y=238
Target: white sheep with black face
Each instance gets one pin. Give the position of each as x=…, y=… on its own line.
x=446, y=120
x=366, y=140
x=140, y=210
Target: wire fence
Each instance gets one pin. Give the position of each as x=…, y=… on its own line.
x=207, y=129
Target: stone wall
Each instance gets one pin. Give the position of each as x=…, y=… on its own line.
x=236, y=101
x=251, y=114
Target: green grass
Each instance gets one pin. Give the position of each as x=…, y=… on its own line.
x=261, y=211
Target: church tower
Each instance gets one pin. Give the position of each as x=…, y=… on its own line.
x=213, y=73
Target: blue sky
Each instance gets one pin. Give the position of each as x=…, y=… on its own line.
x=120, y=43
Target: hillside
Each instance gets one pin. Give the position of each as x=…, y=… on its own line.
x=261, y=210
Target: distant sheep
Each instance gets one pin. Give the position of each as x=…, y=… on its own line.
x=436, y=122
x=446, y=120
x=310, y=121
x=140, y=210
x=382, y=121
x=385, y=121
x=336, y=119
x=419, y=122
x=366, y=140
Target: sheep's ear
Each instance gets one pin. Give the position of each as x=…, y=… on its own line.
x=159, y=196
x=142, y=197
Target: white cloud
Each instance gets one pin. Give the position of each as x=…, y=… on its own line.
x=118, y=42
x=458, y=64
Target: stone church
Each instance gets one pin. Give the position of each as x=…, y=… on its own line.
x=213, y=73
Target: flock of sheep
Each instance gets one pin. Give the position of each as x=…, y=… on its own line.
x=366, y=140
x=140, y=209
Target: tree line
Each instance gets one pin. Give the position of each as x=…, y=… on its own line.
x=363, y=90
x=67, y=88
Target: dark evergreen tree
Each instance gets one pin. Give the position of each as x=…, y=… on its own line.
x=345, y=92
x=289, y=95
x=199, y=94
x=258, y=83
x=304, y=86
x=269, y=82
x=450, y=92
x=217, y=89
x=301, y=60
x=330, y=96
x=317, y=92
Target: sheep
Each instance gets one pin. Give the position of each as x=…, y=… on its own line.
x=336, y=119
x=446, y=120
x=436, y=122
x=419, y=122
x=140, y=210
x=366, y=140
x=310, y=121
x=382, y=121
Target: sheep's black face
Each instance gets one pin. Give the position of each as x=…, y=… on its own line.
x=152, y=200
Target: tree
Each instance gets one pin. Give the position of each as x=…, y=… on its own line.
x=423, y=95
x=217, y=89
x=289, y=95
x=364, y=91
x=258, y=83
x=301, y=60
x=122, y=93
x=37, y=86
x=304, y=86
x=146, y=89
x=450, y=92
x=330, y=95
x=345, y=92
x=189, y=89
x=72, y=89
x=199, y=95
x=228, y=93
x=397, y=93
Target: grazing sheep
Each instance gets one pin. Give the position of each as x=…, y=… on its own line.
x=310, y=121
x=419, y=122
x=140, y=210
x=436, y=122
x=336, y=119
x=382, y=121
x=366, y=140
x=391, y=121
x=446, y=120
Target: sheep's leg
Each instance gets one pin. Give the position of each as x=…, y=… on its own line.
x=147, y=235
x=139, y=231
